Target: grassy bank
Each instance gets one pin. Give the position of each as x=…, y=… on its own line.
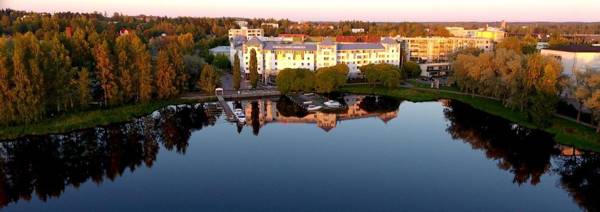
x=86, y=119
x=565, y=131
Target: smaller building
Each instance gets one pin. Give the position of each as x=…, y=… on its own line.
x=272, y=25
x=220, y=50
x=358, y=30
x=542, y=45
x=242, y=24
x=575, y=58
x=245, y=32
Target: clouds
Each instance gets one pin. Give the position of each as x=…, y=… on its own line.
x=333, y=10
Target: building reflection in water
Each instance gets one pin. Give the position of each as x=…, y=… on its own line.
x=264, y=111
x=43, y=166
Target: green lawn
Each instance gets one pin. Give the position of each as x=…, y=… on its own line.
x=565, y=131
x=86, y=119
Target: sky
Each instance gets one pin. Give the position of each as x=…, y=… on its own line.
x=334, y=10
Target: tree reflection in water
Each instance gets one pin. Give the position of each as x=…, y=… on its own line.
x=528, y=154
x=580, y=176
x=47, y=164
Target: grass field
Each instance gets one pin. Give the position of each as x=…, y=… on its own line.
x=565, y=131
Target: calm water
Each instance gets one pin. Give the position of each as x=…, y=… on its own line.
x=377, y=155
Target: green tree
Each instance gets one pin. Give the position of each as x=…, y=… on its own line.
x=291, y=80
x=27, y=78
x=83, y=85
x=236, y=72
x=6, y=92
x=410, y=70
x=589, y=92
x=209, y=79
x=165, y=76
x=105, y=74
x=57, y=74
x=253, y=69
x=222, y=62
x=328, y=79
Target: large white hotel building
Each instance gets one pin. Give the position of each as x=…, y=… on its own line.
x=278, y=53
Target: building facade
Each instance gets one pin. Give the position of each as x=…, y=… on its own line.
x=245, y=32
x=575, y=58
x=273, y=56
x=495, y=34
x=432, y=53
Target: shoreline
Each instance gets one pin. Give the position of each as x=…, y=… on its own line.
x=566, y=132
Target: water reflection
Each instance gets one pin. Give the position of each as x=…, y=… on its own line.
x=264, y=111
x=525, y=153
x=46, y=165
x=528, y=154
x=43, y=166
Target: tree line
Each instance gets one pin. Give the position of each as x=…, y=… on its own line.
x=530, y=83
x=329, y=79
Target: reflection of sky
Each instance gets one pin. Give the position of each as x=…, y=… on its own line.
x=374, y=10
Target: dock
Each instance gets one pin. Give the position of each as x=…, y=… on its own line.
x=222, y=97
x=315, y=99
x=234, y=95
x=226, y=108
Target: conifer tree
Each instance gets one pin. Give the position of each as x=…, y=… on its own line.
x=237, y=76
x=253, y=69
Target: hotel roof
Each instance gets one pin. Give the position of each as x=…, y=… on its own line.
x=576, y=48
x=293, y=46
x=359, y=46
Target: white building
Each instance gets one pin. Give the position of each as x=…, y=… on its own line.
x=358, y=30
x=575, y=58
x=220, y=50
x=273, y=56
x=542, y=45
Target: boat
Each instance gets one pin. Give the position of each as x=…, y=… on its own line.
x=332, y=104
x=313, y=108
x=239, y=115
x=307, y=102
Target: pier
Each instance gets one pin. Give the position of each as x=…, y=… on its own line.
x=223, y=96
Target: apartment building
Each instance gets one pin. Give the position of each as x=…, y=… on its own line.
x=495, y=34
x=273, y=56
x=245, y=32
x=432, y=53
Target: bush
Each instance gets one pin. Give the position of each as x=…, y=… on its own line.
x=410, y=70
x=328, y=79
x=222, y=62
x=290, y=80
x=386, y=74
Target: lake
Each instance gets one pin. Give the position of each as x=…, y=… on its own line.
x=377, y=154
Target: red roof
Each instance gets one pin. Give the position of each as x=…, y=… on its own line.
x=366, y=39
x=293, y=35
